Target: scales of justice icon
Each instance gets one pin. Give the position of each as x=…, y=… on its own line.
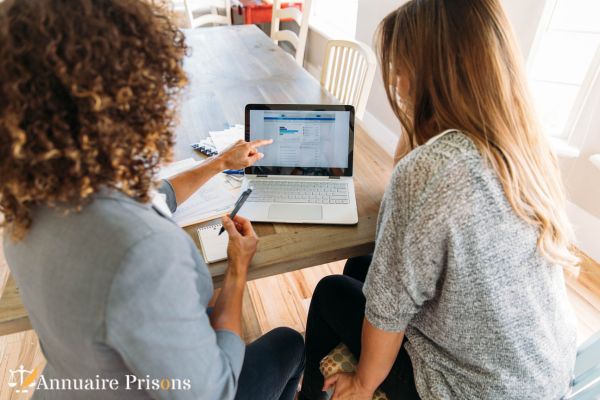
x=22, y=376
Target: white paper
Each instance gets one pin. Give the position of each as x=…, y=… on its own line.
x=214, y=199
x=177, y=167
x=224, y=139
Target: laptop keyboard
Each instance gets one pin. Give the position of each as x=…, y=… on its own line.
x=299, y=192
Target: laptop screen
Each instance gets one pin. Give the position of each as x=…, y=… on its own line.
x=307, y=140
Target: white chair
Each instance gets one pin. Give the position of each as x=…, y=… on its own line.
x=586, y=377
x=301, y=18
x=348, y=72
x=205, y=12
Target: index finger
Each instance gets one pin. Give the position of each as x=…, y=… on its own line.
x=229, y=226
x=245, y=225
x=260, y=142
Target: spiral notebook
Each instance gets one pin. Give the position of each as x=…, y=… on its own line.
x=213, y=246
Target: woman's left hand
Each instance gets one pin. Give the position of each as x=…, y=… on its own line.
x=242, y=154
x=347, y=387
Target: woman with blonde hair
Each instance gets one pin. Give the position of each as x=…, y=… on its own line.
x=464, y=295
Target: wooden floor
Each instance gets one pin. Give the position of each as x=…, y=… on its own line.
x=283, y=300
x=584, y=293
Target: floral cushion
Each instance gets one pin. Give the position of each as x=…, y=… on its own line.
x=341, y=359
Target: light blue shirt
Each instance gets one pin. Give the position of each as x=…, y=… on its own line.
x=118, y=290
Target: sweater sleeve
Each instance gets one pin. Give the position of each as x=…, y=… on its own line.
x=158, y=323
x=410, y=246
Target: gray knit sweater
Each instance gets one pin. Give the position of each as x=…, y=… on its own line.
x=485, y=315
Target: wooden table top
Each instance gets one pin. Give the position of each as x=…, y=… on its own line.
x=228, y=68
x=233, y=66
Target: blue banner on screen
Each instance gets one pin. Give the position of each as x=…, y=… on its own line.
x=307, y=139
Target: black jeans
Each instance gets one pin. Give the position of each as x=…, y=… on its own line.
x=336, y=315
x=272, y=368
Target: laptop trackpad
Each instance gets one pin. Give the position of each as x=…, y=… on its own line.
x=299, y=212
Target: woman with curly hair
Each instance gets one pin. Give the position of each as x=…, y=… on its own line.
x=115, y=290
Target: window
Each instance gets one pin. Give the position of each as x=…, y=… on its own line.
x=564, y=63
x=335, y=18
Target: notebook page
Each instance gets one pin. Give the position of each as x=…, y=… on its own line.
x=214, y=247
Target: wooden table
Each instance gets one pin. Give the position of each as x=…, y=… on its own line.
x=233, y=66
x=230, y=67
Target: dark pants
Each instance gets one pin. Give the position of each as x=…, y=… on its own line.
x=336, y=315
x=272, y=368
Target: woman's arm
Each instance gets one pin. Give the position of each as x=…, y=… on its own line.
x=379, y=350
x=227, y=313
x=240, y=155
x=378, y=353
x=186, y=183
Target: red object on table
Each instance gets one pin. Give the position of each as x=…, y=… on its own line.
x=260, y=12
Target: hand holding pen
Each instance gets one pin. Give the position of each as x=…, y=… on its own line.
x=238, y=204
x=241, y=247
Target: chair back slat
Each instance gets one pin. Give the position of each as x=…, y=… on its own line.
x=348, y=72
x=286, y=36
x=192, y=7
x=300, y=17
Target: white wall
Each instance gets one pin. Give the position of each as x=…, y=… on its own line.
x=582, y=178
x=523, y=14
x=315, y=52
x=380, y=120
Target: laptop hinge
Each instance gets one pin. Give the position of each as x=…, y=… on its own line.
x=262, y=176
x=334, y=177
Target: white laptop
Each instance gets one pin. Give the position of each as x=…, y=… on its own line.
x=306, y=174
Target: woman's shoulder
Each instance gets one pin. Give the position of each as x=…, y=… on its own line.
x=451, y=153
x=118, y=214
x=102, y=231
x=441, y=151
x=444, y=174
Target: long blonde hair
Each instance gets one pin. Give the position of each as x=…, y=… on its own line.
x=462, y=62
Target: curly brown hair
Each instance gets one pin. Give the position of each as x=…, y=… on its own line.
x=88, y=94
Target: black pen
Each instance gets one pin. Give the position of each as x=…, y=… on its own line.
x=238, y=204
